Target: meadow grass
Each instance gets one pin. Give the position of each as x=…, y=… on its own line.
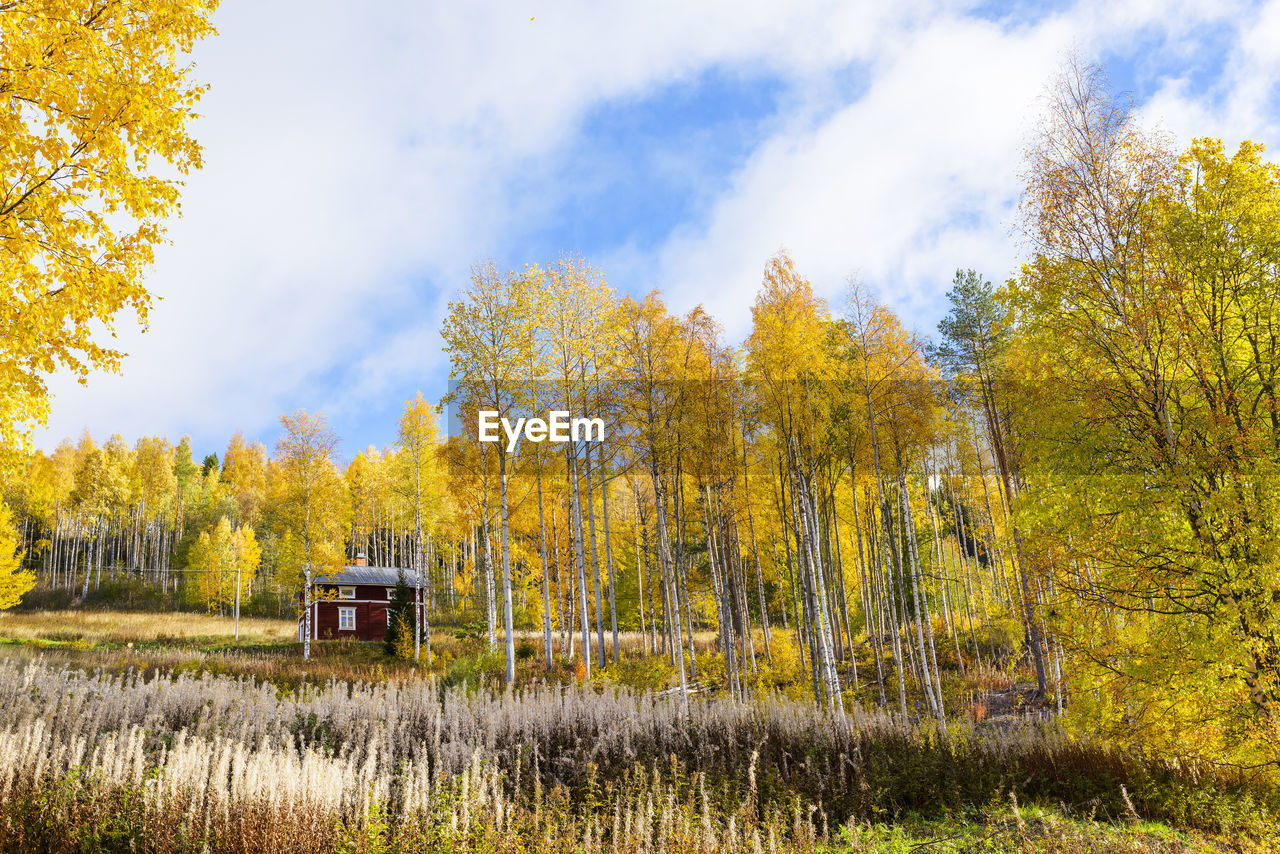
x=123, y=731
x=124, y=627
x=190, y=760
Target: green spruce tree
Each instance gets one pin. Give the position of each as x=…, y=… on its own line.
x=399, y=637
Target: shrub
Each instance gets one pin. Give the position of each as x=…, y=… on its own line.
x=945, y=649
x=783, y=665
x=269, y=603
x=487, y=664
x=526, y=649
x=45, y=598
x=399, y=639
x=712, y=668
x=129, y=593
x=1002, y=641
x=643, y=673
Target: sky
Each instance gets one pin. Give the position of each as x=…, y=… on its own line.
x=360, y=158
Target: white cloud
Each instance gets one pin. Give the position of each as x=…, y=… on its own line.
x=919, y=175
x=361, y=157
x=1243, y=104
x=350, y=154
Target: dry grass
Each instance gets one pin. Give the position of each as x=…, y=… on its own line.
x=137, y=627
x=141, y=627
x=268, y=650
x=188, y=761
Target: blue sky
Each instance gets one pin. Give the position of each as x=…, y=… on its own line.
x=361, y=157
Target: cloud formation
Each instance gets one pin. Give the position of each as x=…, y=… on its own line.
x=361, y=158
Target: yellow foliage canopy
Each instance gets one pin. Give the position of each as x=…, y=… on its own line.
x=91, y=95
x=218, y=559
x=14, y=581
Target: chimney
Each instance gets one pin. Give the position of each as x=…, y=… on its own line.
x=361, y=560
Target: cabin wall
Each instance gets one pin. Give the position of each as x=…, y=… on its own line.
x=371, y=603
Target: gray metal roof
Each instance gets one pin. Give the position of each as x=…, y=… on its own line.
x=379, y=575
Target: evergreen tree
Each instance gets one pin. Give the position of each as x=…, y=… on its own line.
x=399, y=638
x=210, y=463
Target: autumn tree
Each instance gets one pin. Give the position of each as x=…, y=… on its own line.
x=575, y=326
x=649, y=344
x=787, y=361
x=539, y=458
x=14, y=580
x=101, y=489
x=711, y=435
x=155, y=488
x=313, y=502
x=975, y=335
x=221, y=567
x=1149, y=311
x=419, y=478
x=93, y=98
x=484, y=334
x=244, y=469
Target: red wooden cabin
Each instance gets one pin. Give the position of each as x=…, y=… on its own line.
x=352, y=603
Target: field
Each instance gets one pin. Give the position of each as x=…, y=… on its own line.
x=188, y=742
x=124, y=627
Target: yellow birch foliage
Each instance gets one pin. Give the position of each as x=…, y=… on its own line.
x=1155, y=444
x=310, y=497
x=244, y=467
x=787, y=357
x=215, y=559
x=418, y=464
x=14, y=581
x=486, y=334
x=93, y=98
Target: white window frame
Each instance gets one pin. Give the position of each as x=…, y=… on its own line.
x=345, y=615
x=388, y=618
x=391, y=593
x=346, y=593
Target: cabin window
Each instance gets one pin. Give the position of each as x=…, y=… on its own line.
x=391, y=592
x=346, y=593
x=346, y=619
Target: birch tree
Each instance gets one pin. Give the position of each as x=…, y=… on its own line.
x=313, y=502
x=14, y=580
x=417, y=444
x=484, y=334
